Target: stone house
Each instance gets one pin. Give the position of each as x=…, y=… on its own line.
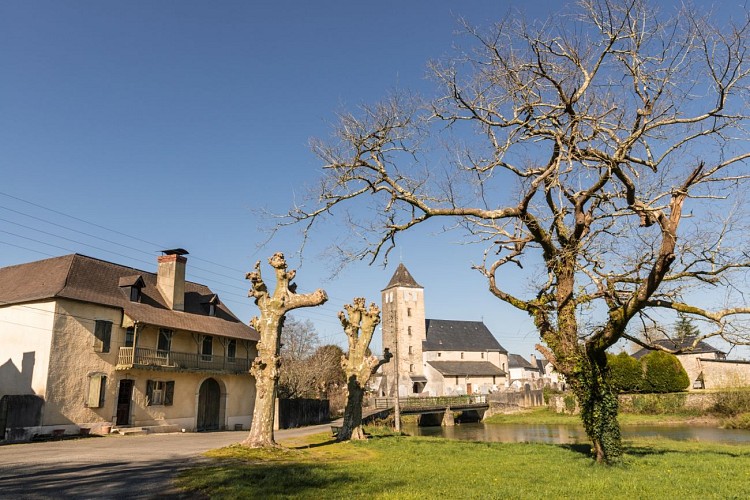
x=435, y=357
x=89, y=344
x=521, y=372
x=706, y=366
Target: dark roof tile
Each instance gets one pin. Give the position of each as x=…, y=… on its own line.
x=464, y=368
x=452, y=335
x=402, y=278
x=676, y=344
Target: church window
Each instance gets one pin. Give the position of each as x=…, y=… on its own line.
x=482, y=355
x=408, y=311
x=462, y=355
x=408, y=329
x=410, y=350
x=411, y=368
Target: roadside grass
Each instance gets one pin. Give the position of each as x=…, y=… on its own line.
x=388, y=466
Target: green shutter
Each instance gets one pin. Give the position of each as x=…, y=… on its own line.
x=107, y=336
x=169, y=393
x=102, y=335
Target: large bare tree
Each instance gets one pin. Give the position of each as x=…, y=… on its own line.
x=603, y=152
x=265, y=367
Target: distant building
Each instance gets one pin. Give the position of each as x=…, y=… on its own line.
x=435, y=357
x=706, y=366
x=522, y=372
x=89, y=344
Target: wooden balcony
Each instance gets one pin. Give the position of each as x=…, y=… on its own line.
x=139, y=357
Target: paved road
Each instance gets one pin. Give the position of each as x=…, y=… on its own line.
x=113, y=466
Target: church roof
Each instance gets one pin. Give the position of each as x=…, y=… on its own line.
x=402, y=278
x=464, y=368
x=453, y=335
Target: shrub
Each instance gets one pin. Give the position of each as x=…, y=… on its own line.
x=741, y=421
x=570, y=403
x=658, y=404
x=731, y=403
x=625, y=373
x=547, y=392
x=663, y=372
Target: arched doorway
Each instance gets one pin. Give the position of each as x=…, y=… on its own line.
x=209, y=405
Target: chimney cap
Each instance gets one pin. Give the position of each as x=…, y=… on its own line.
x=175, y=251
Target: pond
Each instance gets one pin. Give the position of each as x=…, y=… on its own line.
x=568, y=434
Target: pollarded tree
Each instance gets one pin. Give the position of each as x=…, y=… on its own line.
x=265, y=367
x=603, y=152
x=359, y=324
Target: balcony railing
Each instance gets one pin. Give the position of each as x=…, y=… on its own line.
x=140, y=357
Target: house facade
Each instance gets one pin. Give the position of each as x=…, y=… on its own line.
x=89, y=344
x=706, y=366
x=434, y=357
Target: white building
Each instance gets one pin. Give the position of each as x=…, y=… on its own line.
x=435, y=357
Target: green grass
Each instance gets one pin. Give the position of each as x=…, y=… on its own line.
x=410, y=467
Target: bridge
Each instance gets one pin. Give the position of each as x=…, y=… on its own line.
x=440, y=404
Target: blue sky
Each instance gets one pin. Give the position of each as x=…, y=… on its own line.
x=173, y=123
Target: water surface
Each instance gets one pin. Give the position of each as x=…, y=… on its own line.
x=569, y=434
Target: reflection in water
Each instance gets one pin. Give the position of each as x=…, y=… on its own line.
x=568, y=434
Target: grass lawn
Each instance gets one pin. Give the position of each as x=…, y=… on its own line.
x=409, y=467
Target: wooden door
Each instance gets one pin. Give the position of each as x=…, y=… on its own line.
x=124, y=396
x=209, y=401
x=468, y=388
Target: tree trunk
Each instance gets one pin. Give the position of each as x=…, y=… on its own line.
x=261, y=432
x=599, y=404
x=352, y=428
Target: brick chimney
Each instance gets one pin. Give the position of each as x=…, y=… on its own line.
x=170, y=278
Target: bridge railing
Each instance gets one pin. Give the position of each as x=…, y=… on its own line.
x=433, y=402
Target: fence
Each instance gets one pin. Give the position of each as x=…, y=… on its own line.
x=299, y=412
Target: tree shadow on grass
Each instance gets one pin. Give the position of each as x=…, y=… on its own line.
x=273, y=480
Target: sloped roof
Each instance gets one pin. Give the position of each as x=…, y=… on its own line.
x=518, y=361
x=464, y=368
x=674, y=344
x=453, y=335
x=86, y=279
x=402, y=278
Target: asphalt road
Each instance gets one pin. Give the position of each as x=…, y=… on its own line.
x=112, y=466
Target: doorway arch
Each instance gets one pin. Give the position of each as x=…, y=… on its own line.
x=209, y=406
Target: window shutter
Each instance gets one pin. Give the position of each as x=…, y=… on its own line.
x=107, y=336
x=149, y=392
x=169, y=393
x=96, y=384
x=102, y=335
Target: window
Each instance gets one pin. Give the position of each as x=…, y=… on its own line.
x=440, y=354
x=456, y=379
x=408, y=330
x=159, y=392
x=135, y=294
x=482, y=355
x=408, y=311
x=165, y=342
x=411, y=368
x=212, y=309
x=232, y=349
x=129, y=336
x=410, y=350
x=207, y=348
x=462, y=355
x=97, y=386
x=102, y=335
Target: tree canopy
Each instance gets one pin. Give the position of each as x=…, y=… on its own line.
x=603, y=152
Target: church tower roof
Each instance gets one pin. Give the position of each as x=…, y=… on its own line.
x=402, y=278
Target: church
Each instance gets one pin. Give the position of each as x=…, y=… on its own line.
x=435, y=357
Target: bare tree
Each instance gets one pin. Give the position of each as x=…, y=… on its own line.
x=298, y=369
x=359, y=323
x=265, y=368
x=603, y=152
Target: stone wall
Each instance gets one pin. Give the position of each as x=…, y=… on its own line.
x=504, y=401
x=647, y=403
